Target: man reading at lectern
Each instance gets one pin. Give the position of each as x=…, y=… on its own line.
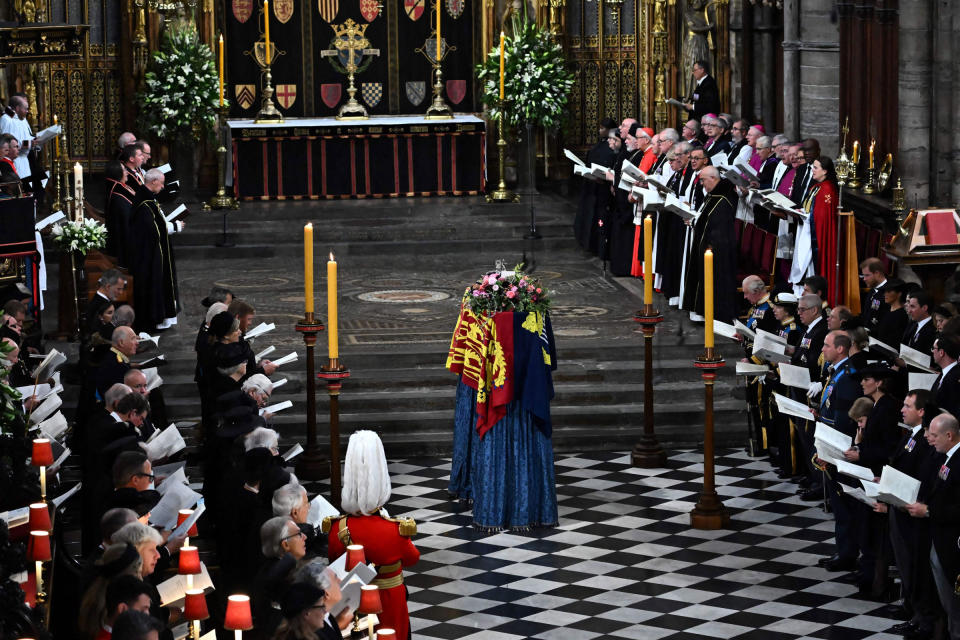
x=706, y=95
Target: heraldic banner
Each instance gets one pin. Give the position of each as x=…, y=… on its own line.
x=312, y=44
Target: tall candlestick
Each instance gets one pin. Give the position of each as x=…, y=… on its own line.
x=77, y=180
x=648, y=260
x=332, y=342
x=56, y=139
x=856, y=151
x=221, y=69
x=501, y=65
x=266, y=30
x=438, y=31
x=708, y=299
x=308, y=267
x=873, y=144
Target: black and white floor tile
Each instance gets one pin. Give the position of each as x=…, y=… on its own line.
x=624, y=562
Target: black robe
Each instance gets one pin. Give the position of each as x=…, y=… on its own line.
x=151, y=262
x=117, y=212
x=619, y=228
x=671, y=232
x=593, y=198
x=714, y=229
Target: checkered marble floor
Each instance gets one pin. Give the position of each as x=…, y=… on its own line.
x=623, y=563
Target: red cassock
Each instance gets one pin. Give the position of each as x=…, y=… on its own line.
x=390, y=551
x=825, y=226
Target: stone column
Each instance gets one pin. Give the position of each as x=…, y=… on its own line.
x=791, y=69
x=915, y=88
x=943, y=153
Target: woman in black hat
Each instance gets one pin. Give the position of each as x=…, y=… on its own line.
x=893, y=323
x=303, y=613
x=873, y=446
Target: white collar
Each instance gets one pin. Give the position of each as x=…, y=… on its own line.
x=251, y=489
x=103, y=296
x=943, y=372
x=113, y=414
x=814, y=323
x=953, y=450
x=920, y=323
x=836, y=366
x=700, y=81
x=876, y=288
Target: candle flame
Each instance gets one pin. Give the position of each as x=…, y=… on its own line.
x=332, y=259
x=309, y=225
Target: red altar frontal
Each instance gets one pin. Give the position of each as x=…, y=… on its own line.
x=379, y=157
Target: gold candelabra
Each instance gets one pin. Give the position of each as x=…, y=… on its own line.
x=502, y=193
x=222, y=199
x=268, y=110
x=899, y=200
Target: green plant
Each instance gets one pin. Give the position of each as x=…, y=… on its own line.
x=80, y=236
x=180, y=95
x=537, y=81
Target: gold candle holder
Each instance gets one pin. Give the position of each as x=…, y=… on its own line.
x=854, y=179
x=438, y=110
x=222, y=199
x=868, y=186
x=502, y=193
x=268, y=110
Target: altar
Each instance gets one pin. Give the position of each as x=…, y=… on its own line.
x=378, y=157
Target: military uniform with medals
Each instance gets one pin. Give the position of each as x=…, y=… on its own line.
x=760, y=316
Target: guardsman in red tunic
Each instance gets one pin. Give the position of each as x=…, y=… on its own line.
x=386, y=541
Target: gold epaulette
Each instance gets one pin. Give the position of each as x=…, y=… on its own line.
x=407, y=526
x=327, y=523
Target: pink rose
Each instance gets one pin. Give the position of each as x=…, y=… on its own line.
x=539, y=290
x=511, y=294
x=496, y=287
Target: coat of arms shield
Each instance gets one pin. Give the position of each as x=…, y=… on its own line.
x=330, y=94
x=456, y=90
x=416, y=91
x=245, y=93
x=328, y=9
x=286, y=95
x=455, y=8
x=414, y=8
x=242, y=9
x=369, y=9
x=371, y=92
x=283, y=9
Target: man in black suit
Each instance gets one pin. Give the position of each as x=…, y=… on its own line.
x=117, y=361
x=874, y=307
x=807, y=354
x=706, y=95
x=910, y=537
x=942, y=507
x=946, y=388
x=922, y=330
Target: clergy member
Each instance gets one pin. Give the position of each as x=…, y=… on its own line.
x=151, y=257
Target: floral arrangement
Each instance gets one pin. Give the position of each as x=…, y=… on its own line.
x=507, y=291
x=181, y=94
x=80, y=236
x=537, y=81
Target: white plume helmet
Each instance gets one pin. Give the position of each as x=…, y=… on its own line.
x=366, y=479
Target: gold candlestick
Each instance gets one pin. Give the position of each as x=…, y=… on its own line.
x=868, y=187
x=502, y=193
x=854, y=179
x=268, y=110
x=439, y=110
x=222, y=199
x=709, y=512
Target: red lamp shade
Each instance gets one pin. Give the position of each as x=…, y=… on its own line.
x=38, y=548
x=238, y=616
x=42, y=453
x=369, y=600
x=182, y=515
x=189, y=560
x=40, y=517
x=195, y=605
x=355, y=556
x=388, y=634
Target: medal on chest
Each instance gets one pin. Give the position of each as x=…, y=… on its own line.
x=874, y=304
x=911, y=443
x=944, y=472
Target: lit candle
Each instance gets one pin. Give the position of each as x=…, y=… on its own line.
x=856, y=151
x=438, y=31
x=332, y=345
x=873, y=144
x=266, y=30
x=77, y=179
x=648, y=260
x=56, y=139
x=889, y=159
x=308, y=266
x=501, y=65
x=221, y=69
x=708, y=299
